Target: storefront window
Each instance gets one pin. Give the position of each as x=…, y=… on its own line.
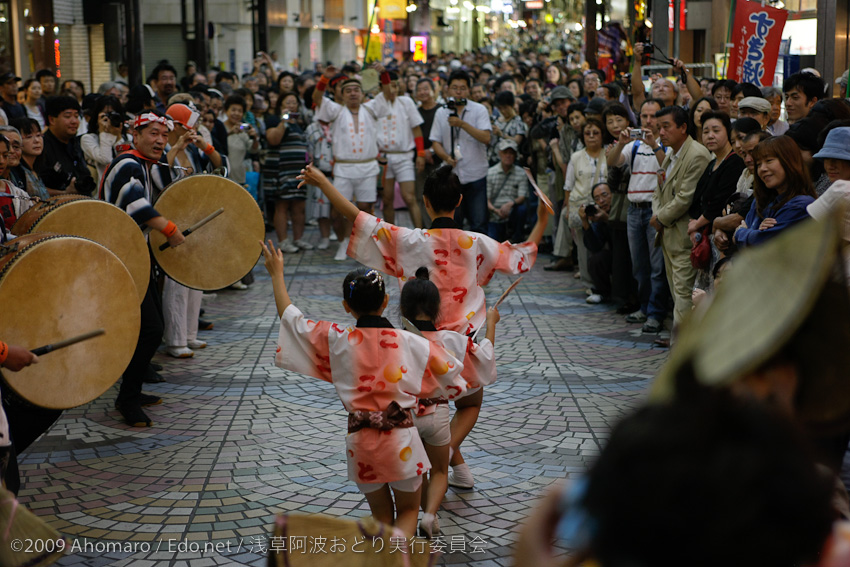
x=40, y=35
x=7, y=53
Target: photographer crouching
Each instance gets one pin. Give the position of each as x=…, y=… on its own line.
x=597, y=240
x=463, y=126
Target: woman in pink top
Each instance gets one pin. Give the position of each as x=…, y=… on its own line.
x=379, y=373
x=459, y=261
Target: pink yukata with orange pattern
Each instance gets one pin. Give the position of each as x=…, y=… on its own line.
x=370, y=368
x=459, y=263
x=479, y=361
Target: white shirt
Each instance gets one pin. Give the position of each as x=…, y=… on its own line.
x=673, y=157
x=352, y=144
x=395, y=132
x=473, y=164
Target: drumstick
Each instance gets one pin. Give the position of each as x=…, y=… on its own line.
x=499, y=301
x=507, y=291
x=538, y=192
x=67, y=342
x=195, y=227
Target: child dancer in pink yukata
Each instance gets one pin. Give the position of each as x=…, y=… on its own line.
x=460, y=262
x=378, y=373
x=420, y=304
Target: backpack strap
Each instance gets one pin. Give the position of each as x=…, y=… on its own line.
x=634, y=154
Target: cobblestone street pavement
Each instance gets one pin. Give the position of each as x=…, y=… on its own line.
x=238, y=440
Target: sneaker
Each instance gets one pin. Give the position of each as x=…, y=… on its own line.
x=594, y=299
x=636, y=317
x=180, y=352
x=333, y=237
x=341, y=251
x=146, y=400
x=577, y=275
x=133, y=415
x=588, y=292
x=205, y=325
x=652, y=326
x=303, y=245
x=239, y=286
x=197, y=345
x=324, y=243
x=461, y=477
x=287, y=246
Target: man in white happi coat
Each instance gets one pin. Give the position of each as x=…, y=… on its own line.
x=399, y=136
x=354, y=134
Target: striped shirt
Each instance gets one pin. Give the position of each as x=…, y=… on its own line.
x=129, y=182
x=643, y=181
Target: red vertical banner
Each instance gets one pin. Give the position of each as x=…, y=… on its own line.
x=756, y=36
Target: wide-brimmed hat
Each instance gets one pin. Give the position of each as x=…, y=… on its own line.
x=836, y=145
x=783, y=296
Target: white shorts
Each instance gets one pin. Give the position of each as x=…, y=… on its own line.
x=358, y=190
x=400, y=167
x=435, y=428
x=318, y=206
x=406, y=485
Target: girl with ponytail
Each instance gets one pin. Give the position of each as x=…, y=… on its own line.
x=420, y=304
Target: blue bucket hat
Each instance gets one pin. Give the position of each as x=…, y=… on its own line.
x=836, y=146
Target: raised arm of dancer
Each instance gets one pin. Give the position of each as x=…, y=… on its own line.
x=540, y=227
x=274, y=264
x=312, y=175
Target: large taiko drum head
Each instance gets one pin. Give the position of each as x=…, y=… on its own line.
x=56, y=287
x=222, y=251
x=100, y=221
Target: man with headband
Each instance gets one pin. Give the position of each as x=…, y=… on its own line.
x=354, y=131
x=129, y=183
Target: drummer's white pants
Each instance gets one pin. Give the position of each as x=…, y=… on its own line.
x=181, y=308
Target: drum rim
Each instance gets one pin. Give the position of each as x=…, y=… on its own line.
x=17, y=255
x=154, y=256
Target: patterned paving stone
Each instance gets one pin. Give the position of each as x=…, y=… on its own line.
x=238, y=440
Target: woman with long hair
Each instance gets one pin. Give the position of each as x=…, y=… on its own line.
x=782, y=190
x=35, y=109
x=576, y=86
x=32, y=145
x=554, y=77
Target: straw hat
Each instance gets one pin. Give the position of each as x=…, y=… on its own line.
x=19, y=524
x=782, y=290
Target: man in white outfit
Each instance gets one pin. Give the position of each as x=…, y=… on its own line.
x=354, y=135
x=398, y=136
